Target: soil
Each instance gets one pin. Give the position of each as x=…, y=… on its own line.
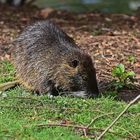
x=109, y=38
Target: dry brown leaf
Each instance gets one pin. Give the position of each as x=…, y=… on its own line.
x=45, y=12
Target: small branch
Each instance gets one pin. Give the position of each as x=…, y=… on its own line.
x=85, y=132
x=129, y=133
x=92, y=121
x=115, y=133
x=96, y=118
x=126, y=108
x=63, y=125
x=83, y=128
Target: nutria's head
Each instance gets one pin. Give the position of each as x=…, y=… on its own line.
x=76, y=74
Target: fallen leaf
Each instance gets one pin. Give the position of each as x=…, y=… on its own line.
x=45, y=12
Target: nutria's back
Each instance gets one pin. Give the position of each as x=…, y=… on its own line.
x=47, y=60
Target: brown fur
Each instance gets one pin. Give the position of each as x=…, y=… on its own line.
x=48, y=60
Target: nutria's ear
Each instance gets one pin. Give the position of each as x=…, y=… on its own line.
x=74, y=63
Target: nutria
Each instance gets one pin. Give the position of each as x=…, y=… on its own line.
x=48, y=61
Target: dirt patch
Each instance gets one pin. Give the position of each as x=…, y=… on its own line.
x=128, y=95
x=109, y=38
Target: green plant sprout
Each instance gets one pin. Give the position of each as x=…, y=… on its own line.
x=131, y=59
x=122, y=77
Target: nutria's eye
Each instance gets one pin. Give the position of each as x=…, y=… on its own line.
x=74, y=63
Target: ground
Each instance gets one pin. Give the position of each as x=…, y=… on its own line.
x=109, y=39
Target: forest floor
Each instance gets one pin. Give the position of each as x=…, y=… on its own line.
x=110, y=39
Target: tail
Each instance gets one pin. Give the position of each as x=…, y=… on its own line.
x=8, y=85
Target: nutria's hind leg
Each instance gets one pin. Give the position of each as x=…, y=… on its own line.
x=8, y=85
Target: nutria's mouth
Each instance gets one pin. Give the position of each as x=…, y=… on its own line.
x=74, y=91
x=81, y=94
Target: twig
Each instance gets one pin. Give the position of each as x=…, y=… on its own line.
x=129, y=133
x=93, y=120
x=126, y=108
x=85, y=132
x=64, y=125
x=82, y=128
x=118, y=134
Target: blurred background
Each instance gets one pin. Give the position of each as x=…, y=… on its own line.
x=106, y=6
x=109, y=6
